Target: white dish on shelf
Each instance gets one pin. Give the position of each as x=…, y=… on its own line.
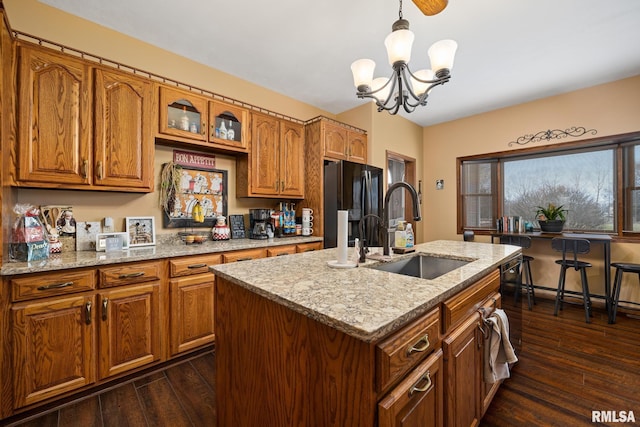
x=336, y=264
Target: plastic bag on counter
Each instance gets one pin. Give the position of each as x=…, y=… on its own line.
x=29, y=240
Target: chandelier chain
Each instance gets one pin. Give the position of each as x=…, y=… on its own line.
x=400, y=11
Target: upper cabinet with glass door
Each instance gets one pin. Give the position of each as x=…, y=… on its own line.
x=192, y=118
x=229, y=126
x=183, y=114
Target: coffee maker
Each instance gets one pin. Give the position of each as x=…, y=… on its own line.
x=259, y=223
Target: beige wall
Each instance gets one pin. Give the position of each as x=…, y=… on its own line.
x=611, y=109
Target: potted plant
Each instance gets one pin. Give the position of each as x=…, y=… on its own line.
x=551, y=218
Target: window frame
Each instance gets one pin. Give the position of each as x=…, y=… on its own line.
x=617, y=142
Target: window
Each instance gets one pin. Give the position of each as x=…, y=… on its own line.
x=591, y=179
x=478, y=194
x=631, y=191
x=583, y=183
x=396, y=173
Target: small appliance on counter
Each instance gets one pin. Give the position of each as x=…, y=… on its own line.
x=260, y=224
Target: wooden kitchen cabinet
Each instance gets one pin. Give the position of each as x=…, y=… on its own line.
x=124, y=146
x=82, y=126
x=202, y=121
x=129, y=328
x=418, y=399
x=415, y=376
x=183, y=114
x=129, y=317
x=467, y=395
x=54, y=130
x=244, y=255
x=53, y=347
x=191, y=290
x=275, y=164
x=340, y=142
x=309, y=247
x=229, y=126
x=281, y=250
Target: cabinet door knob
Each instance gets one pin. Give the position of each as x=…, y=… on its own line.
x=100, y=171
x=85, y=168
x=204, y=128
x=420, y=346
x=426, y=377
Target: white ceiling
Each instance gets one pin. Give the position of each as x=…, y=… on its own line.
x=509, y=51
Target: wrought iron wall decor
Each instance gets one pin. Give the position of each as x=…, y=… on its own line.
x=553, y=134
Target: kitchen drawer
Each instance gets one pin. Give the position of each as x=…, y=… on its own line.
x=51, y=284
x=460, y=306
x=419, y=399
x=308, y=247
x=126, y=274
x=193, y=264
x=245, y=255
x=281, y=250
x=401, y=352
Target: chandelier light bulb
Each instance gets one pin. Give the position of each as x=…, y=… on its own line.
x=420, y=87
x=378, y=83
x=441, y=55
x=398, y=44
x=362, y=70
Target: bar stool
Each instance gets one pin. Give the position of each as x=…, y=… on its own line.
x=524, y=242
x=621, y=267
x=570, y=249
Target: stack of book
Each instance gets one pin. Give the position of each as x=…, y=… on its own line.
x=510, y=224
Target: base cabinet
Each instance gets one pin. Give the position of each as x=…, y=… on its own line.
x=191, y=291
x=468, y=396
x=53, y=347
x=319, y=376
x=418, y=400
x=129, y=328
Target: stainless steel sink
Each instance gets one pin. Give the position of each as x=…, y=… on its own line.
x=422, y=265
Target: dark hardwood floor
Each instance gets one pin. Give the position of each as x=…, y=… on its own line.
x=567, y=368
x=179, y=396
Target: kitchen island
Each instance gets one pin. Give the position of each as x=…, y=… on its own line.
x=300, y=343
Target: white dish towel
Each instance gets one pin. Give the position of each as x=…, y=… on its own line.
x=498, y=351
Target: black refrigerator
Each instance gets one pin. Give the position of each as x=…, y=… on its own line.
x=356, y=188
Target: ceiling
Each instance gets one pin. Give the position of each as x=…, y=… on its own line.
x=509, y=51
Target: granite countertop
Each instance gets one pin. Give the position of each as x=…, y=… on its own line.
x=363, y=302
x=166, y=247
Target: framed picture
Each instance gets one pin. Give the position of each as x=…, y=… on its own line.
x=208, y=187
x=141, y=231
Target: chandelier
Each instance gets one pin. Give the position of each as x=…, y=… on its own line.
x=404, y=88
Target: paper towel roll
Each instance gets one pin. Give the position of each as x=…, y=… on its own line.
x=343, y=244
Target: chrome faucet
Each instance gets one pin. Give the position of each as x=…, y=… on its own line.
x=385, y=210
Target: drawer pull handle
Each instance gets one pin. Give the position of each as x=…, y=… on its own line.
x=282, y=254
x=197, y=265
x=55, y=286
x=245, y=259
x=419, y=346
x=310, y=249
x=131, y=275
x=105, y=308
x=426, y=377
x=87, y=313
